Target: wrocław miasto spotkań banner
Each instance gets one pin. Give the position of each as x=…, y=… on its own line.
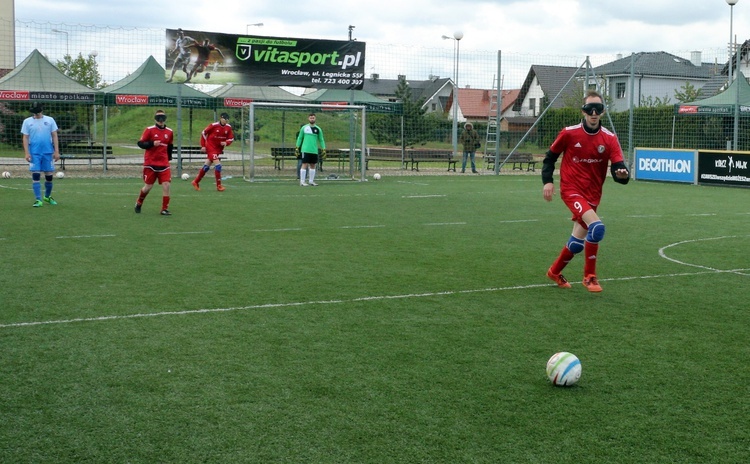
x=217, y=58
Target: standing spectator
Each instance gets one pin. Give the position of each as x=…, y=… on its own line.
x=42, y=149
x=589, y=149
x=309, y=140
x=213, y=140
x=470, y=140
x=157, y=140
x=182, y=45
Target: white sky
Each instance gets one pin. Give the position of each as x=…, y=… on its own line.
x=538, y=26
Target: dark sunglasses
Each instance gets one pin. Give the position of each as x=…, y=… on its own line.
x=160, y=117
x=590, y=108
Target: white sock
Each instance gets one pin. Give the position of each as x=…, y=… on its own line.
x=312, y=175
x=302, y=174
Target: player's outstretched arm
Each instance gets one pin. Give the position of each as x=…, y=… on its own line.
x=620, y=172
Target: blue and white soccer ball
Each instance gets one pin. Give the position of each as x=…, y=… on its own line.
x=564, y=369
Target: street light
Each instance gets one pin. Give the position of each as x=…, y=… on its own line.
x=67, y=42
x=457, y=36
x=731, y=4
x=247, y=28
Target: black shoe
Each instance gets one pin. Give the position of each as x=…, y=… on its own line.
x=137, y=208
x=165, y=212
x=475, y=172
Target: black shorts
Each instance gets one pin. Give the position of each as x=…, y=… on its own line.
x=310, y=158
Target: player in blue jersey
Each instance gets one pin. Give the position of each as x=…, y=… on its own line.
x=42, y=149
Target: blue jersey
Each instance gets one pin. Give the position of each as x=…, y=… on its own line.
x=40, y=134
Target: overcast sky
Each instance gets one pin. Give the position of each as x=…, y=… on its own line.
x=541, y=26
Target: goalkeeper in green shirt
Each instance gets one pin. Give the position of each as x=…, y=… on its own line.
x=309, y=139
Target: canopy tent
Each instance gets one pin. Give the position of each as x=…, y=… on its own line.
x=355, y=97
x=147, y=87
x=36, y=79
x=721, y=104
x=39, y=80
x=235, y=95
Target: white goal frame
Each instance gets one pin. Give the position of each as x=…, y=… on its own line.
x=249, y=175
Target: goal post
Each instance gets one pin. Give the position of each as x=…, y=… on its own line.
x=270, y=132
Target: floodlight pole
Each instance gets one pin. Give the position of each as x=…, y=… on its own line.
x=457, y=36
x=67, y=41
x=247, y=28
x=733, y=47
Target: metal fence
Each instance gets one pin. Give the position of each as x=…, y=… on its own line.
x=648, y=120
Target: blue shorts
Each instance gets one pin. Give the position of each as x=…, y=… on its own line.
x=41, y=163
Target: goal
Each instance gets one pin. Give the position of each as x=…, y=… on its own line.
x=270, y=135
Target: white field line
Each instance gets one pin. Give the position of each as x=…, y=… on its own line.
x=86, y=236
x=335, y=302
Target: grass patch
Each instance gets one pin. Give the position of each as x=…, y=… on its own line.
x=405, y=320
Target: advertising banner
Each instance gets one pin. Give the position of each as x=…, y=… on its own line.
x=724, y=168
x=216, y=58
x=666, y=165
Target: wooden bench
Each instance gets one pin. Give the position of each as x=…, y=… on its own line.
x=188, y=152
x=386, y=154
x=281, y=154
x=516, y=160
x=84, y=152
x=425, y=156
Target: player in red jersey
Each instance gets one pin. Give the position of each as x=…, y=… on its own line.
x=589, y=149
x=213, y=140
x=157, y=140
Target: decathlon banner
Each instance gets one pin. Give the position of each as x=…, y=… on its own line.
x=216, y=58
x=666, y=165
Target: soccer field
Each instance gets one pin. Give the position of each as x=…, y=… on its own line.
x=404, y=320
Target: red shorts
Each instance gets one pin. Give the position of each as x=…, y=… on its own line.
x=153, y=173
x=214, y=157
x=578, y=206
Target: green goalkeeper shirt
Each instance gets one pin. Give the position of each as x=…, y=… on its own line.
x=309, y=137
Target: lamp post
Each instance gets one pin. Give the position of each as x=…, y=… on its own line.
x=457, y=36
x=247, y=28
x=733, y=47
x=67, y=42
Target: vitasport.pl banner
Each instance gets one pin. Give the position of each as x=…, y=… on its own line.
x=216, y=58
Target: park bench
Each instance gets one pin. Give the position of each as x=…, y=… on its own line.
x=386, y=154
x=516, y=160
x=417, y=156
x=188, y=153
x=281, y=154
x=84, y=152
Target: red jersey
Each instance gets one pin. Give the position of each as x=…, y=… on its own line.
x=586, y=159
x=157, y=156
x=213, y=135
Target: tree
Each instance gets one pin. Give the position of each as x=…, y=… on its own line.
x=82, y=70
x=655, y=102
x=688, y=94
x=387, y=128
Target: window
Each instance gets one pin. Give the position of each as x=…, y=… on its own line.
x=620, y=89
x=532, y=106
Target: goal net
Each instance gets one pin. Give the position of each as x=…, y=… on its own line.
x=270, y=132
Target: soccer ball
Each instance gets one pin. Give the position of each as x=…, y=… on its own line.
x=563, y=369
x=6, y=174
x=208, y=75
x=185, y=176
x=60, y=174
x=376, y=176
